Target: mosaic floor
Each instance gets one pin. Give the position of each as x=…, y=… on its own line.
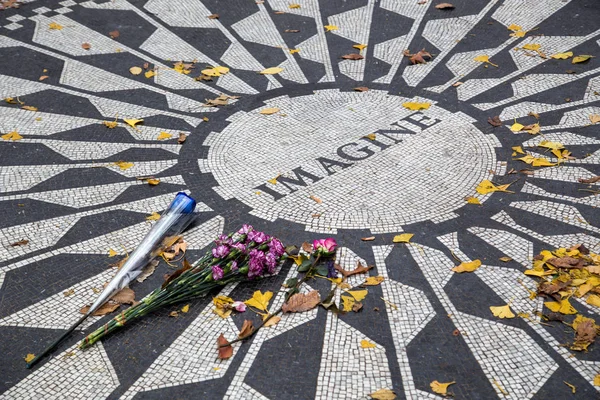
x=333, y=160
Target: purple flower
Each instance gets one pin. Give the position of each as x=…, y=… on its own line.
x=257, y=237
x=220, y=251
x=217, y=272
x=239, y=306
x=324, y=247
x=276, y=247
x=234, y=266
x=271, y=261
x=245, y=229
x=240, y=246
x=256, y=263
x=331, y=271
x=223, y=239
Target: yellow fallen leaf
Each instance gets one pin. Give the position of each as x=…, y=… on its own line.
x=271, y=71
x=185, y=308
x=563, y=307
x=329, y=28
x=164, y=135
x=110, y=124
x=580, y=59
x=293, y=6
x=360, y=47
x=123, y=165
x=486, y=187
x=551, y=145
x=403, y=238
x=516, y=127
x=440, y=388
x=365, y=344
x=29, y=108
x=411, y=105
x=135, y=70
x=112, y=253
x=562, y=56
x=153, y=181
x=518, y=34
x=55, y=26
x=347, y=303
x=294, y=51
x=542, y=162
x=358, y=294
x=593, y=300
x=373, y=280
x=29, y=357
x=383, y=394
x=594, y=118
x=269, y=111
x=518, y=149
x=272, y=321
x=260, y=300
x=472, y=200
x=502, y=311
x=535, y=272
x=153, y=217
x=532, y=129
x=467, y=266
x=532, y=46
x=221, y=69
x=149, y=74
x=514, y=27
x=484, y=59
x=597, y=380
x=133, y=122
x=14, y=136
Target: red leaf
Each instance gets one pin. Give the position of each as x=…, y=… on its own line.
x=226, y=351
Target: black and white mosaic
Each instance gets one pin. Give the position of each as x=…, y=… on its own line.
x=69, y=187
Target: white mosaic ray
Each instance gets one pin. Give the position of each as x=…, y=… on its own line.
x=69, y=39
x=413, y=313
x=167, y=46
x=444, y=34
x=574, y=119
x=525, y=13
x=259, y=28
x=514, y=246
x=354, y=25
x=549, y=44
x=14, y=87
x=563, y=173
x=48, y=232
x=536, y=83
x=564, y=213
x=24, y=177
x=498, y=348
x=557, y=241
x=591, y=200
x=59, y=311
x=202, y=235
x=75, y=150
x=87, y=77
x=121, y=240
x=314, y=48
x=391, y=50
x=566, y=138
x=238, y=389
x=514, y=288
x=517, y=109
x=191, y=357
x=73, y=374
x=193, y=14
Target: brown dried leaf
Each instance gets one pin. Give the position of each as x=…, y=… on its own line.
x=357, y=306
x=86, y=46
x=360, y=269
x=444, y=6
x=247, y=329
x=566, y=262
x=182, y=138
x=292, y=30
x=301, y=302
x=361, y=89
x=551, y=289
x=307, y=247
x=505, y=259
x=585, y=334
x=213, y=16
x=114, y=34
x=106, y=308
x=22, y=242
x=124, y=296
x=147, y=271
x=368, y=239
x=494, y=121
x=316, y=199
x=169, y=278
x=417, y=58
x=589, y=180
x=226, y=351
x=173, y=314
x=352, y=56
x=272, y=321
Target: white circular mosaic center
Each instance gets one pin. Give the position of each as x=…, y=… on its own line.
x=349, y=160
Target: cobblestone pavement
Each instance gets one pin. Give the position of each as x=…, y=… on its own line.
x=68, y=186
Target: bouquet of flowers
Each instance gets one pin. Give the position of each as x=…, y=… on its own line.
x=240, y=256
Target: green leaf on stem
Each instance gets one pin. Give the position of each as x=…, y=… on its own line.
x=322, y=270
x=290, y=282
x=305, y=266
